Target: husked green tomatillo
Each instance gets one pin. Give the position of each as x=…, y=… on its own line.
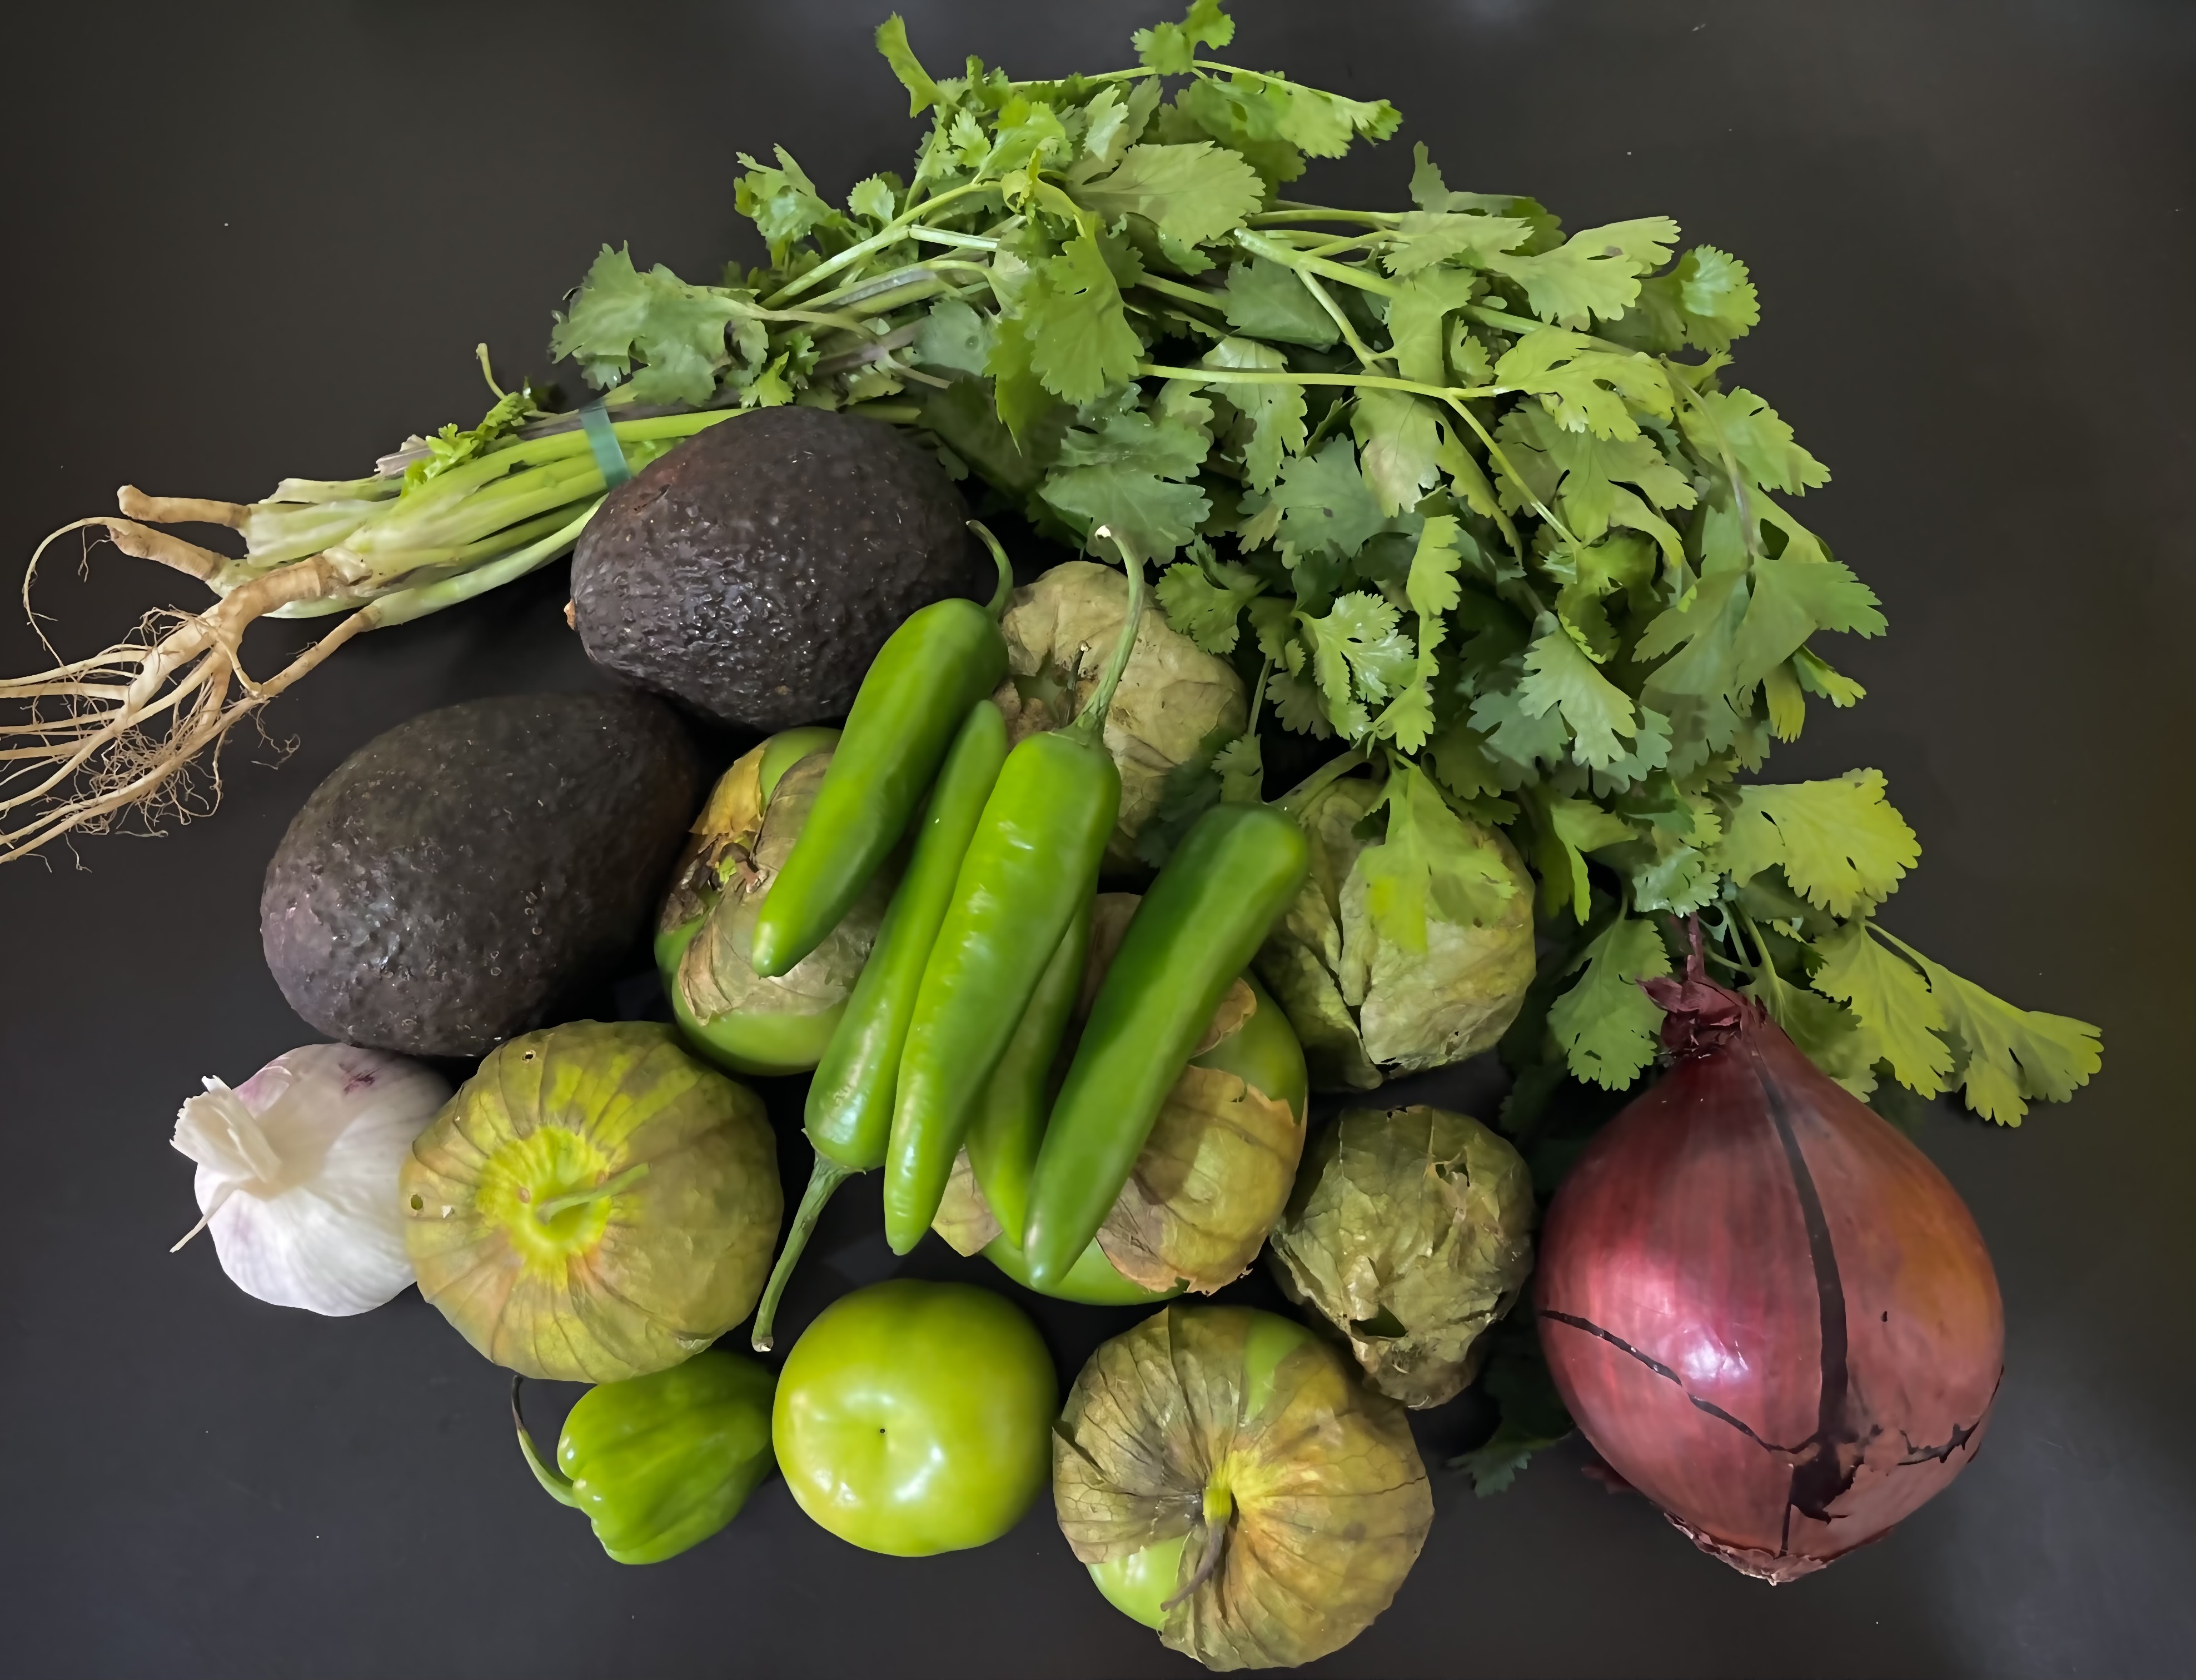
x=730, y=1014
x=1228, y=1481
x=594, y=1203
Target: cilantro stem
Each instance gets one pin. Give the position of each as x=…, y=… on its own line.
x=1494, y=454
x=1285, y=211
x=1365, y=357
x=1262, y=376
x=947, y=236
x=1258, y=245
x=1520, y=324
x=892, y=233
x=1187, y=294
x=1766, y=974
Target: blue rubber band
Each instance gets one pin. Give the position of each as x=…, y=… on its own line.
x=603, y=440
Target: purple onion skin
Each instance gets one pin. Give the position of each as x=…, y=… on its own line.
x=1767, y=1310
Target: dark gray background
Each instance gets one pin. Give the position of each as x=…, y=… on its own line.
x=252, y=241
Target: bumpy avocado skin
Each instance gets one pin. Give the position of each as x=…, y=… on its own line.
x=753, y=573
x=457, y=877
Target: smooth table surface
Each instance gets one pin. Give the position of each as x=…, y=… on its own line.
x=253, y=241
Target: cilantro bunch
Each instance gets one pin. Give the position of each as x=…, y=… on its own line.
x=1473, y=498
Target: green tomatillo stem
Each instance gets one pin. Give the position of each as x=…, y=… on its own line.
x=578, y=1198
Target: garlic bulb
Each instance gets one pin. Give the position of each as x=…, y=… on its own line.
x=297, y=1175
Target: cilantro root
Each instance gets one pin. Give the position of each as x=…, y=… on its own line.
x=91, y=739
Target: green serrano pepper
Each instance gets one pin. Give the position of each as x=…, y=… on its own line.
x=1030, y=871
x=941, y=660
x=1210, y=907
x=1009, y=1124
x=850, y=1100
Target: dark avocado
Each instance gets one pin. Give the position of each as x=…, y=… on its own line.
x=753, y=573
x=458, y=875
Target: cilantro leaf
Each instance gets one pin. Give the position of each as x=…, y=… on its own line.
x=1193, y=192
x=1119, y=475
x=1399, y=438
x=1841, y=844
x=1758, y=439
x=1242, y=766
x=620, y=316
x=1080, y=342
x=782, y=203
x=1357, y=656
x=1818, y=677
x=1607, y=1026
x=1415, y=317
x=1792, y=599
x=1558, y=674
x=1436, y=236
x=1595, y=272
x=1717, y=297
x=1586, y=389
x=1264, y=299
x=1206, y=603
x=1326, y=505
x=1275, y=412
x=953, y=335
x=1533, y=1418
x=2014, y=1055
x=1029, y=131
x=1584, y=470
x=1899, y=1016
x=1298, y=704
x=1245, y=117
x=1564, y=830
x=892, y=41
x=1430, y=863
x=1171, y=49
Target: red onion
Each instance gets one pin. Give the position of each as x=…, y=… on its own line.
x=1766, y=1309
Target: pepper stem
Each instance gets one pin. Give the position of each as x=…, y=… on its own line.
x=557, y=1204
x=559, y=1487
x=1091, y=720
x=1005, y=591
x=827, y=1177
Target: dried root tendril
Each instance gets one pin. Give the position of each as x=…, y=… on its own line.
x=89, y=741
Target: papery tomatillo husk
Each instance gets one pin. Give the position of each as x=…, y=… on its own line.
x=1059, y=630
x=1767, y=1310
x=594, y=1203
x=1411, y=1233
x=1290, y=1500
x=705, y=932
x=1365, y=1006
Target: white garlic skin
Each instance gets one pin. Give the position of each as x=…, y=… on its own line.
x=298, y=1169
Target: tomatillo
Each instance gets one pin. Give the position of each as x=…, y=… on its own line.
x=914, y=1418
x=1142, y=1584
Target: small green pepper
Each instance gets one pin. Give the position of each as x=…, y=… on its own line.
x=1210, y=909
x=941, y=660
x=850, y=1100
x=1009, y=1124
x=1030, y=870
x=660, y=1463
